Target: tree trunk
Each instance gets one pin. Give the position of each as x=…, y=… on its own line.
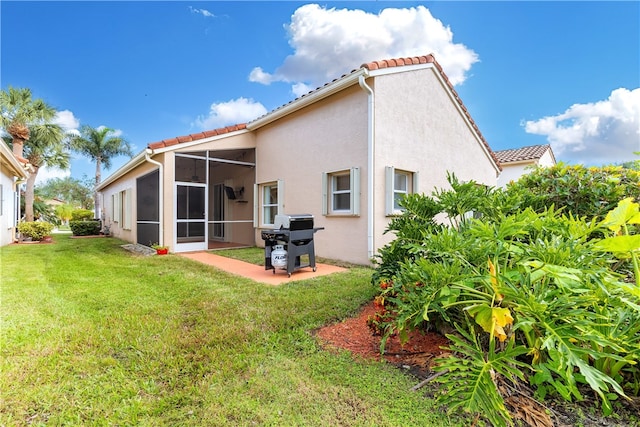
x=29, y=195
x=18, y=145
x=96, y=201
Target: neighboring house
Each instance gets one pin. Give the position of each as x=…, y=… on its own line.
x=54, y=203
x=344, y=153
x=12, y=173
x=516, y=162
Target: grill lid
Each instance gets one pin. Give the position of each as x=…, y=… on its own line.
x=293, y=222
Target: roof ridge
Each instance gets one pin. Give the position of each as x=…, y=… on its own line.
x=195, y=136
x=524, y=147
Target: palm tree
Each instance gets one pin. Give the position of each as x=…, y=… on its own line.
x=19, y=113
x=45, y=147
x=100, y=145
x=32, y=136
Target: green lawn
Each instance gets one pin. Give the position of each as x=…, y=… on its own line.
x=94, y=335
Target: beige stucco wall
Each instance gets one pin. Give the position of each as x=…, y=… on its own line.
x=10, y=168
x=513, y=171
x=327, y=137
x=7, y=214
x=420, y=128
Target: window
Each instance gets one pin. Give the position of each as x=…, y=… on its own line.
x=115, y=207
x=399, y=183
x=271, y=196
x=121, y=208
x=341, y=192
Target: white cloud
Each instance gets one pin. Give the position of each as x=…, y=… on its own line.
x=203, y=12
x=328, y=43
x=236, y=111
x=67, y=121
x=602, y=132
x=259, y=76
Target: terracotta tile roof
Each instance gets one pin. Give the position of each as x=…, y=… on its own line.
x=196, y=136
x=375, y=65
x=532, y=152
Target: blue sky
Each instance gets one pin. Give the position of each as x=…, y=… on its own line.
x=565, y=73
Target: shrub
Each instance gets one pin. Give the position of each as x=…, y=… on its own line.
x=85, y=228
x=531, y=294
x=36, y=230
x=583, y=191
x=81, y=215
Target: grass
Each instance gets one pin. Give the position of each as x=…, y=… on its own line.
x=95, y=335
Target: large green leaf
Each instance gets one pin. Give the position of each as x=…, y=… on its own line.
x=627, y=212
x=618, y=244
x=470, y=381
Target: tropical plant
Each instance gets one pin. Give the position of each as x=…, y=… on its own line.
x=537, y=291
x=42, y=211
x=20, y=113
x=101, y=145
x=64, y=212
x=624, y=243
x=33, y=136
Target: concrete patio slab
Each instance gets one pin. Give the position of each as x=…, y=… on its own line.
x=257, y=272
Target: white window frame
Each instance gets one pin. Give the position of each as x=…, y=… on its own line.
x=391, y=189
x=328, y=192
x=115, y=207
x=121, y=208
x=126, y=209
x=259, y=202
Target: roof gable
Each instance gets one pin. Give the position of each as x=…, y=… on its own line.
x=430, y=59
x=532, y=152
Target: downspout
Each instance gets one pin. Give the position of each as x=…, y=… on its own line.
x=147, y=156
x=370, y=163
x=17, y=182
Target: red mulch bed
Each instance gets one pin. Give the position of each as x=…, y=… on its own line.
x=356, y=336
x=417, y=356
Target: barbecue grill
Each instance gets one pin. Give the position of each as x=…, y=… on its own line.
x=295, y=234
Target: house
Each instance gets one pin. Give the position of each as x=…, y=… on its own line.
x=12, y=173
x=344, y=153
x=516, y=162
